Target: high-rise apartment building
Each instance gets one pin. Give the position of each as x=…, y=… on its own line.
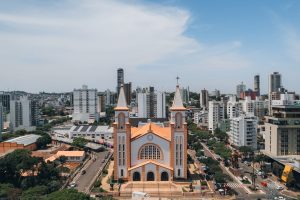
x=240, y=88
x=151, y=104
x=282, y=128
x=23, y=114
x=120, y=79
x=5, y=100
x=101, y=103
x=234, y=109
x=128, y=92
x=216, y=113
x=243, y=131
x=85, y=104
x=257, y=84
x=275, y=84
x=204, y=99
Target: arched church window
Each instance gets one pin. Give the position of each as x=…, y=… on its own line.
x=150, y=152
x=121, y=121
x=178, y=120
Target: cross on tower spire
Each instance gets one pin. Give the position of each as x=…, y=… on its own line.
x=177, y=78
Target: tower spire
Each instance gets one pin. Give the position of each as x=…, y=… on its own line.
x=177, y=102
x=122, y=104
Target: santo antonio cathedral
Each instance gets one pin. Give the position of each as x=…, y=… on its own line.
x=152, y=151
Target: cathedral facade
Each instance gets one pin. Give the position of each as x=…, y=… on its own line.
x=150, y=152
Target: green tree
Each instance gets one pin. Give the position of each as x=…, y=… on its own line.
x=290, y=180
x=79, y=142
x=69, y=194
x=246, y=151
x=8, y=191
x=221, y=135
x=43, y=141
x=34, y=193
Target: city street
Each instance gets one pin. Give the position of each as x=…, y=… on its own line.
x=92, y=168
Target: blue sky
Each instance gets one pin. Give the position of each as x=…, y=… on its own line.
x=59, y=45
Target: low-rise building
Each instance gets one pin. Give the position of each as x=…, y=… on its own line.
x=72, y=156
x=23, y=142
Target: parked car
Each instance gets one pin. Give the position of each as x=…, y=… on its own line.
x=279, y=198
x=83, y=172
x=73, y=185
x=103, y=161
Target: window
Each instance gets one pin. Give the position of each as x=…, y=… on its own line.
x=121, y=121
x=150, y=151
x=178, y=120
x=122, y=172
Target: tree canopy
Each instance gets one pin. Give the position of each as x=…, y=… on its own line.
x=79, y=142
x=70, y=194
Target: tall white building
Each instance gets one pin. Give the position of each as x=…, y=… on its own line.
x=243, y=131
x=254, y=107
x=22, y=114
x=85, y=104
x=216, y=113
x=151, y=104
x=234, y=108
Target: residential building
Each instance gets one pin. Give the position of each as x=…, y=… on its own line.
x=120, y=79
x=151, y=104
x=185, y=94
x=257, y=84
x=71, y=156
x=204, y=99
x=128, y=92
x=85, y=105
x=23, y=114
x=216, y=113
x=275, y=83
x=240, y=88
x=234, y=108
x=151, y=152
x=201, y=118
x=216, y=93
x=101, y=103
x=282, y=128
x=5, y=101
x=243, y=131
x=249, y=93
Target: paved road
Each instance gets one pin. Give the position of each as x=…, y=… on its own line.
x=92, y=168
x=270, y=190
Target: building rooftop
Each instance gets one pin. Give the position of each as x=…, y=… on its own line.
x=25, y=140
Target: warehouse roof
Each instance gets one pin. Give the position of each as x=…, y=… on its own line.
x=26, y=139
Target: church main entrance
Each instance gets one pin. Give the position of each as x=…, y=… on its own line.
x=150, y=176
x=164, y=176
x=136, y=176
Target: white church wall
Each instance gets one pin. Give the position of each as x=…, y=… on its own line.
x=138, y=143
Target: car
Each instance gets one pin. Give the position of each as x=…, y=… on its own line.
x=278, y=187
x=73, y=185
x=279, y=198
x=83, y=172
x=103, y=161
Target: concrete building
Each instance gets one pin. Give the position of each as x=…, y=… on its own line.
x=101, y=103
x=282, y=128
x=120, y=79
x=151, y=104
x=257, y=84
x=216, y=93
x=204, y=99
x=85, y=105
x=128, y=92
x=243, y=131
x=5, y=101
x=201, y=118
x=275, y=83
x=240, y=88
x=216, y=113
x=234, y=109
x=23, y=114
x=110, y=98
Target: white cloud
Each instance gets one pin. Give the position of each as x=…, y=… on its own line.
x=85, y=41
